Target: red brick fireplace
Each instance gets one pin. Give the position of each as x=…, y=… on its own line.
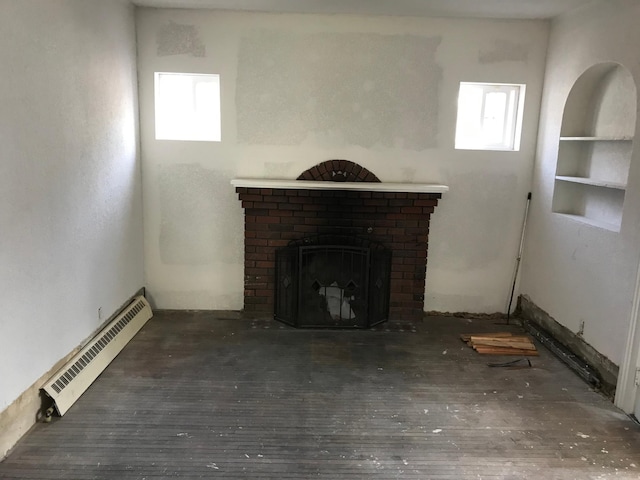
x=344, y=198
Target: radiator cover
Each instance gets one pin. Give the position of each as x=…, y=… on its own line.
x=75, y=377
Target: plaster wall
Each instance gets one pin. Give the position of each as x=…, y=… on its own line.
x=70, y=182
x=582, y=274
x=297, y=90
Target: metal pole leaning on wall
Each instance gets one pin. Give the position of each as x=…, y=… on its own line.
x=515, y=274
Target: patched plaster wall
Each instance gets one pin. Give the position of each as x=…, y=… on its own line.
x=70, y=183
x=177, y=39
x=381, y=91
x=301, y=89
x=582, y=275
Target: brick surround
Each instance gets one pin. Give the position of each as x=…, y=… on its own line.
x=400, y=221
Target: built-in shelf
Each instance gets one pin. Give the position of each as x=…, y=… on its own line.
x=594, y=151
x=322, y=185
x=592, y=181
x=590, y=221
x=596, y=139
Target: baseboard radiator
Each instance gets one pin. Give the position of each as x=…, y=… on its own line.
x=75, y=377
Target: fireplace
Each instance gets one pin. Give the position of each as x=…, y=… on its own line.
x=336, y=198
x=335, y=281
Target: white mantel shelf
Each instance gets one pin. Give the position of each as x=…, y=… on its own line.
x=328, y=185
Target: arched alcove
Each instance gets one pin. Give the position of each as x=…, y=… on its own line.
x=595, y=147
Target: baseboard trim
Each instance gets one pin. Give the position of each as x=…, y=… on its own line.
x=21, y=416
x=604, y=369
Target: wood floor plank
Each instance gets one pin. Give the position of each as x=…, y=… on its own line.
x=198, y=396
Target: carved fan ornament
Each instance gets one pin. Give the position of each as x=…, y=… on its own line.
x=338, y=171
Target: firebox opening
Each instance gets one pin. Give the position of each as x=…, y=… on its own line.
x=332, y=282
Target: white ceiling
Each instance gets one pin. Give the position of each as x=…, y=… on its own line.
x=524, y=9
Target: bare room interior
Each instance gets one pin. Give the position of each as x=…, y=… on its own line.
x=176, y=175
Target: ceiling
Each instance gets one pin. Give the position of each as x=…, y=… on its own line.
x=515, y=9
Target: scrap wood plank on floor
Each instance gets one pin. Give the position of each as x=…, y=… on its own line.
x=500, y=343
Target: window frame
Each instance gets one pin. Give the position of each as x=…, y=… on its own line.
x=186, y=124
x=468, y=139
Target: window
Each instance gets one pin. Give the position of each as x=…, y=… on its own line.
x=187, y=106
x=489, y=116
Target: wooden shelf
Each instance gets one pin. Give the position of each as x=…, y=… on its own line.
x=596, y=139
x=592, y=181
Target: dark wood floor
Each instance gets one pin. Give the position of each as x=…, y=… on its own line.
x=193, y=396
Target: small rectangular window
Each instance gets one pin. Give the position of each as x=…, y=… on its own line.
x=489, y=116
x=187, y=106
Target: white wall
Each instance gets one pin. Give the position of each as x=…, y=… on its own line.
x=577, y=272
x=70, y=188
x=301, y=89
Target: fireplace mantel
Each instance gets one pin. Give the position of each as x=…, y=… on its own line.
x=353, y=186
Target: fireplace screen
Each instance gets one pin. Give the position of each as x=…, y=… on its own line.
x=332, y=281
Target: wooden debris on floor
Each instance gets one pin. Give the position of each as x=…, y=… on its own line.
x=500, y=343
